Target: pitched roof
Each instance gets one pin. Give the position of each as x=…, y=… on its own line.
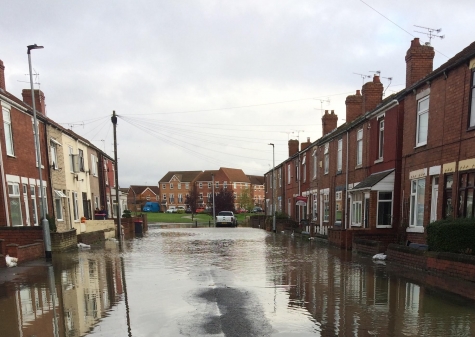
x=235, y=175
x=183, y=176
x=256, y=180
x=206, y=175
x=138, y=189
x=372, y=180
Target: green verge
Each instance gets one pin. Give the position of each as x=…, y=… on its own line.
x=184, y=218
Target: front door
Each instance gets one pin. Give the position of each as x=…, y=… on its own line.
x=366, y=210
x=435, y=195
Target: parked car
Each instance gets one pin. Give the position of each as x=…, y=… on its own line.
x=151, y=206
x=200, y=210
x=188, y=210
x=180, y=208
x=171, y=209
x=226, y=219
x=257, y=210
x=241, y=210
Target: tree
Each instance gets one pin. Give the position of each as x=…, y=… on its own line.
x=192, y=200
x=245, y=199
x=224, y=200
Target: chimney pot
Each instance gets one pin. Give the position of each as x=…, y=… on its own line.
x=2, y=76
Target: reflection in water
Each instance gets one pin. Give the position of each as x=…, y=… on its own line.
x=67, y=301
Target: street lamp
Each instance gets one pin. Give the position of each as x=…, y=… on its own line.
x=273, y=188
x=214, y=216
x=44, y=221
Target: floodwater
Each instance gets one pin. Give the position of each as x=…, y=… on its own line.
x=222, y=282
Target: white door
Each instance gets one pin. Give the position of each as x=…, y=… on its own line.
x=34, y=209
x=435, y=195
x=25, y=201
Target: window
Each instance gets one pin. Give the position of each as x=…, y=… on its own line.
x=326, y=158
x=472, y=96
x=147, y=197
x=217, y=184
x=200, y=185
x=106, y=171
x=96, y=202
x=225, y=185
x=171, y=186
x=172, y=198
x=340, y=155
x=209, y=184
x=179, y=186
x=81, y=161
x=304, y=168
x=380, y=138
x=164, y=197
x=326, y=208
x=41, y=199
x=164, y=186
x=201, y=196
x=7, y=125
x=180, y=198
x=422, y=121
x=93, y=165
x=357, y=209
x=466, y=189
x=187, y=186
x=58, y=204
x=385, y=209
x=338, y=206
x=297, y=171
x=359, y=147
x=34, y=140
x=314, y=167
x=234, y=185
x=54, y=155
x=34, y=210
x=417, y=202
x=75, y=206
x=15, y=206
x=288, y=173
x=448, y=205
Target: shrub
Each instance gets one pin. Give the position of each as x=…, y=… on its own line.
x=51, y=222
x=452, y=235
x=181, y=211
x=127, y=213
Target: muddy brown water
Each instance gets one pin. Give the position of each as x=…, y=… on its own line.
x=223, y=282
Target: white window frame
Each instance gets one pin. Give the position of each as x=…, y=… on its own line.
x=54, y=155
x=164, y=186
x=338, y=205
x=93, y=165
x=288, y=171
x=14, y=194
x=326, y=207
x=209, y=184
x=171, y=198
x=225, y=184
x=420, y=114
x=326, y=158
x=71, y=159
x=34, y=206
x=357, y=209
x=380, y=137
x=200, y=185
x=58, y=205
x=179, y=186
x=171, y=186
x=339, y=163
x=415, y=193
x=75, y=206
x=315, y=163
x=304, y=168
x=180, y=198
x=164, y=197
x=359, y=147
x=7, y=125
x=187, y=186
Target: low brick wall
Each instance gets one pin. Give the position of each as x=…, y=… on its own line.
x=450, y=272
x=90, y=238
x=27, y=252
x=417, y=238
x=340, y=237
x=63, y=241
x=94, y=225
x=22, y=235
x=368, y=247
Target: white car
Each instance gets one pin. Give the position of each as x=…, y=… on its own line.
x=171, y=209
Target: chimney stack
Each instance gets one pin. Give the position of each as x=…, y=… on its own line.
x=419, y=62
x=353, y=106
x=293, y=147
x=2, y=76
x=39, y=100
x=303, y=146
x=372, y=94
x=329, y=122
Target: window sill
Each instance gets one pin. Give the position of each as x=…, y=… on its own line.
x=355, y=225
x=11, y=155
x=379, y=160
x=420, y=145
x=418, y=229
x=339, y=172
x=357, y=167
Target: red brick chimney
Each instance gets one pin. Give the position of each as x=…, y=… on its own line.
x=419, y=62
x=372, y=94
x=293, y=147
x=303, y=146
x=2, y=76
x=329, y=121
x=39, y=100
x=353, y=106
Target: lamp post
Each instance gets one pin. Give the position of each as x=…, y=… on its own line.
x=44, y=221
x=214, y=216
x=273, y=187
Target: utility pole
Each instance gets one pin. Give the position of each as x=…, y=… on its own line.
x=119, y=229
x=299, y=173
x=214, y=215
x=273, y=188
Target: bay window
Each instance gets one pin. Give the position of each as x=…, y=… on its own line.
x=356, y=209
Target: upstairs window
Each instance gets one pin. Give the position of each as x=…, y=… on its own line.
x=380, y=138
x=314, y=155
x=7, y=125
x=422, y=121
x=179, y=186
x=340, y=155
x=472, y=100
x=171, y=186
x=288, y=173
x=81, y=160
x=326, y=158
x=359, y=147
x=54, y=155
x=164, y=186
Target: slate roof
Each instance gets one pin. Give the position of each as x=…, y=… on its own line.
x=372, y=180
x=256, y=180
x=206, y=175
x=183, y=176
x=138, y=189
x=235, y=175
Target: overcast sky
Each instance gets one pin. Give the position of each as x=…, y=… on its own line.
x=206, y=84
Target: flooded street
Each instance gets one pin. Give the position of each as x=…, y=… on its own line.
x=222, y=282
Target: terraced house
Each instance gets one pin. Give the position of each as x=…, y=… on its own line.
x=175, y=186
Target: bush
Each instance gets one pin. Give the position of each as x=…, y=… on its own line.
x=281, y=215
x=181, y=211
x=452, y=235
x=51, y=222
x=127, y=213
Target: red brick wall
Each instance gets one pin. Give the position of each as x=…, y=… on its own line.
x=372, y=94
x=21, y=235
x=419, y=62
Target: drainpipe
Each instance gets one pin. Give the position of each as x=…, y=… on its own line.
x=346, y=187
x=5, y=188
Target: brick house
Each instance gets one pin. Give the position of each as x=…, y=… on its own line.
x=174, y=187
x=438, y=144
x=106, y=168
x=257, y=190
x=137, y=196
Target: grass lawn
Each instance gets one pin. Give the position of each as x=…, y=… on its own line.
x=185, y=218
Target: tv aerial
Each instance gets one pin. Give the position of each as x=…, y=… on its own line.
x=431, y=33
x=363, y=76
x=387, y=78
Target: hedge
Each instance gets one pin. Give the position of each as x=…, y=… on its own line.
x=452, y=235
